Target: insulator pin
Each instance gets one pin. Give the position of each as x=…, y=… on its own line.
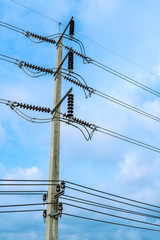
x=71, y=29
x=60, y=207
x=70, y=61
x=63, y=185
x=58, y=188
x=70, y=105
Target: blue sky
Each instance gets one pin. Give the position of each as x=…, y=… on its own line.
x=130, y=29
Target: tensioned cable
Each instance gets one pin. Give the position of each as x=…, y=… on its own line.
x=27, y=184
x=20, y=211
x=98, y=64
x=120, y=136
x=113, y=195
x=123, y=104
x=105, y=206
x=114, y=200
x=103, y=95
x=19, y=194
x=78, y=185
x=112, y=215
x=24, y=205
x=108, y=222
x=106, y=48
x=41, y=14
x=127, y=139
x=124, y=77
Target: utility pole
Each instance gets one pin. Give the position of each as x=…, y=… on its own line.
x=51, y=222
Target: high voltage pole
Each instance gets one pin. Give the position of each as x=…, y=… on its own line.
x=51, y=222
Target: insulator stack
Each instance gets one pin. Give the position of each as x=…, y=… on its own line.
x=78, y=53
x=58, y=188
x=60, y=207
x=71, y=28
x=45, y=39
x=63, y=185
x=32, y=107
x=41, y=69
x=79, y=121
x=44, y=215
x=70, y=105
x=45, y=195
x=76, y=82
x=70, y=61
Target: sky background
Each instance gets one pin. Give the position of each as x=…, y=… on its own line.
x=130, y=30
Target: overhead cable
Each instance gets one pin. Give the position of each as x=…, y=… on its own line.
x=112, y=215
x=108, y=222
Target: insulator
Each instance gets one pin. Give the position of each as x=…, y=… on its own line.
x=33, y=107
x=39, y=109
x=58, y=188
x=71, y=29
x=48, y=110
x=63, y=185
x=27, y=106
x=70, y=61
x=60, y=207
x=42, y=109
x=45, y=213
x=36, y=108
x=70, y=105
x=44, y=197
x=24, y=105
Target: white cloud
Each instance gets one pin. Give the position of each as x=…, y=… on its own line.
x=132, y=168
x=24, y=173
x=93, y=10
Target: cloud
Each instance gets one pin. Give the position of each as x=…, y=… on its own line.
x=23, y=173
x=132, y=168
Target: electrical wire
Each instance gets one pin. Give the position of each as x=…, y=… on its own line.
x=105, y=206
x=108, y=222
x=41, y=14
x=126, y=78
x=24, y=205
x=112, y=215
x=98, y=64
x=93, y=41
x=103, y=95
x=114, y=200
x=20, y=211
x=123, y=104
x=99, y=129
x=113, y=195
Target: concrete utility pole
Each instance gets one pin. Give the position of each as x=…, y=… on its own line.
x=51, y=222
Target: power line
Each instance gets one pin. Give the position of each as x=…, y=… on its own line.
x=105, y=206
x=123, y=104
x=95, y=128
x=93, y=41
x=96, y=63
x=41, y=14
x=112, y=215
x=124, y=77
x=98, y=93
x=20, y=211
x=114, y=200
x=113, y=223
x=113, y=195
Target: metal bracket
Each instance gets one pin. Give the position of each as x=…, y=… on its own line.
x=59, y=194
x=56, y=214
x=63, y=32
x=57, y=70
x=57, y=106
